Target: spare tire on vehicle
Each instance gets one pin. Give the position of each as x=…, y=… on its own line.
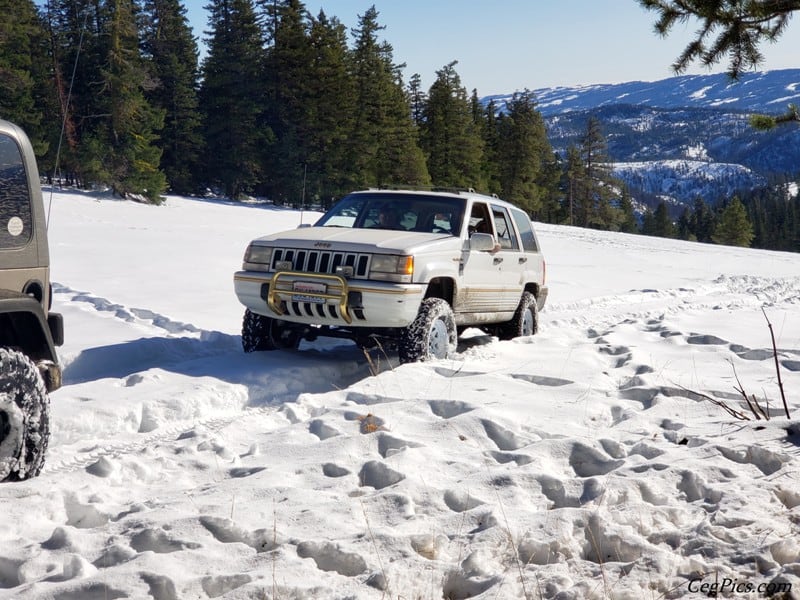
x=24, y=417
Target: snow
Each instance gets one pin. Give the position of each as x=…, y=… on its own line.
x=582, y=462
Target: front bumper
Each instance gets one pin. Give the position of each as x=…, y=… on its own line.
x=324, y=299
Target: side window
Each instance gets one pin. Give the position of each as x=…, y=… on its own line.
x=525, y=231
x=479, y=220
x=16, y=222
x=505, y=231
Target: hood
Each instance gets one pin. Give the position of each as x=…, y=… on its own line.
x=356, y=240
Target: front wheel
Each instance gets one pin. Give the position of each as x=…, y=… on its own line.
x=261, y=333
x=432, y=335
x=525, y=321
x=24, y=417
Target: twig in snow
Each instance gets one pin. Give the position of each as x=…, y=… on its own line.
x=777, y=366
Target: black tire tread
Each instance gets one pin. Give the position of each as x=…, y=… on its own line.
x=21, y=383
x=513, y=328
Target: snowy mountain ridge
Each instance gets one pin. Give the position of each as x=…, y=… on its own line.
x=700, y=121
x=764, y=91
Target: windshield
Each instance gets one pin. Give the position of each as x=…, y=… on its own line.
x=400, y=212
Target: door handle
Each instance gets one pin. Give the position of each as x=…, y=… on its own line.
x=523, y=259
x=497, y=260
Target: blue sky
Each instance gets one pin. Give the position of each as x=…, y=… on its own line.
x=516, y=44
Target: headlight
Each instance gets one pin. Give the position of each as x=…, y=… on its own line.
x=257, y=258
x=390, y=267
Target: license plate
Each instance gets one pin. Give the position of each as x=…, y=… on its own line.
x=303, y=291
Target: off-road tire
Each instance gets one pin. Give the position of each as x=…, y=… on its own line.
x=261, y=333
x=24, y=417
x=525, y=321
x=432, y=335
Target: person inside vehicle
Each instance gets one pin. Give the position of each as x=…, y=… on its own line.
x=388, y=218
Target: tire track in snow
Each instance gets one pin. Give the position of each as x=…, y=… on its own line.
x=124, y=313
x=168, y=434
x=726, y=292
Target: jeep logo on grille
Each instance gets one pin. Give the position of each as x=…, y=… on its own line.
x=322, y=245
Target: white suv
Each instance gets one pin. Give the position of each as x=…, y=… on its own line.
x=413, y=268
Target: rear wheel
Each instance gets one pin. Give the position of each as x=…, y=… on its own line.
x=525, y=321
x=432, y=335
x=261, y=333
x=24, y=417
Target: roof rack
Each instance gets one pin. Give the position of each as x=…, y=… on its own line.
x=425, y=188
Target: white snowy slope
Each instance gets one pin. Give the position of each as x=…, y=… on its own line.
x=578, y=463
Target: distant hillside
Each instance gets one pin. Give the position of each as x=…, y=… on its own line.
x=766, y=91
x=682, y=137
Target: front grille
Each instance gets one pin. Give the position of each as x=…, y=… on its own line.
x=322, y=261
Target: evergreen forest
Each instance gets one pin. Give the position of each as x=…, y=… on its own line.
x=297, y=108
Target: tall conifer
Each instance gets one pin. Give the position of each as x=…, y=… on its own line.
x=122, y=150
x=231, y=98
x=524, y=151
x=383, y=143
x=20, y=35
x=450, y=136
x=172, y=52
x=734, y=227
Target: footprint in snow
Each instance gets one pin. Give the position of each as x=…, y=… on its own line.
x=590, y=462
x=542, y=380
x=154, y=540
x=705, y=340
x=377, y=475
x=503, y=438
x=507, y=457
x=161, y=588
x=219, y=585
x=329, y=557
x=388, y=445
x=322, y=430
x=447, y=409
x=334, y=470
x=461, y=501
x=228, y=532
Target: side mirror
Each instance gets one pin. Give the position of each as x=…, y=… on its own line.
x=482, y=242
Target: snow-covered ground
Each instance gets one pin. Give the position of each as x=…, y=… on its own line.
x=579, y=463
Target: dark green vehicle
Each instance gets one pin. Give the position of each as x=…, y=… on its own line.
x=29, y=332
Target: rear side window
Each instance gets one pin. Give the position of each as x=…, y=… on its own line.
x=525, y=231
x=505, y=232
x=16, y=223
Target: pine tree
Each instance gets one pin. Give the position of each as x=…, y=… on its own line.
x=573, y=183
x=418, y=99
x=130, y=164
x=662, y=224
x=523, y=154
x=79, y=46
x=20, y=52
x=648, y=222
x=740, y=28
x=331, y=110
x=702, y=221
x=628, y=223
x=684, y=231
x=491, y=148
x=287, y=83
x=383, y=141
x=173, y=54
x=231, y=98
x=449, y=136
x=734, y=228
x=595, y=200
